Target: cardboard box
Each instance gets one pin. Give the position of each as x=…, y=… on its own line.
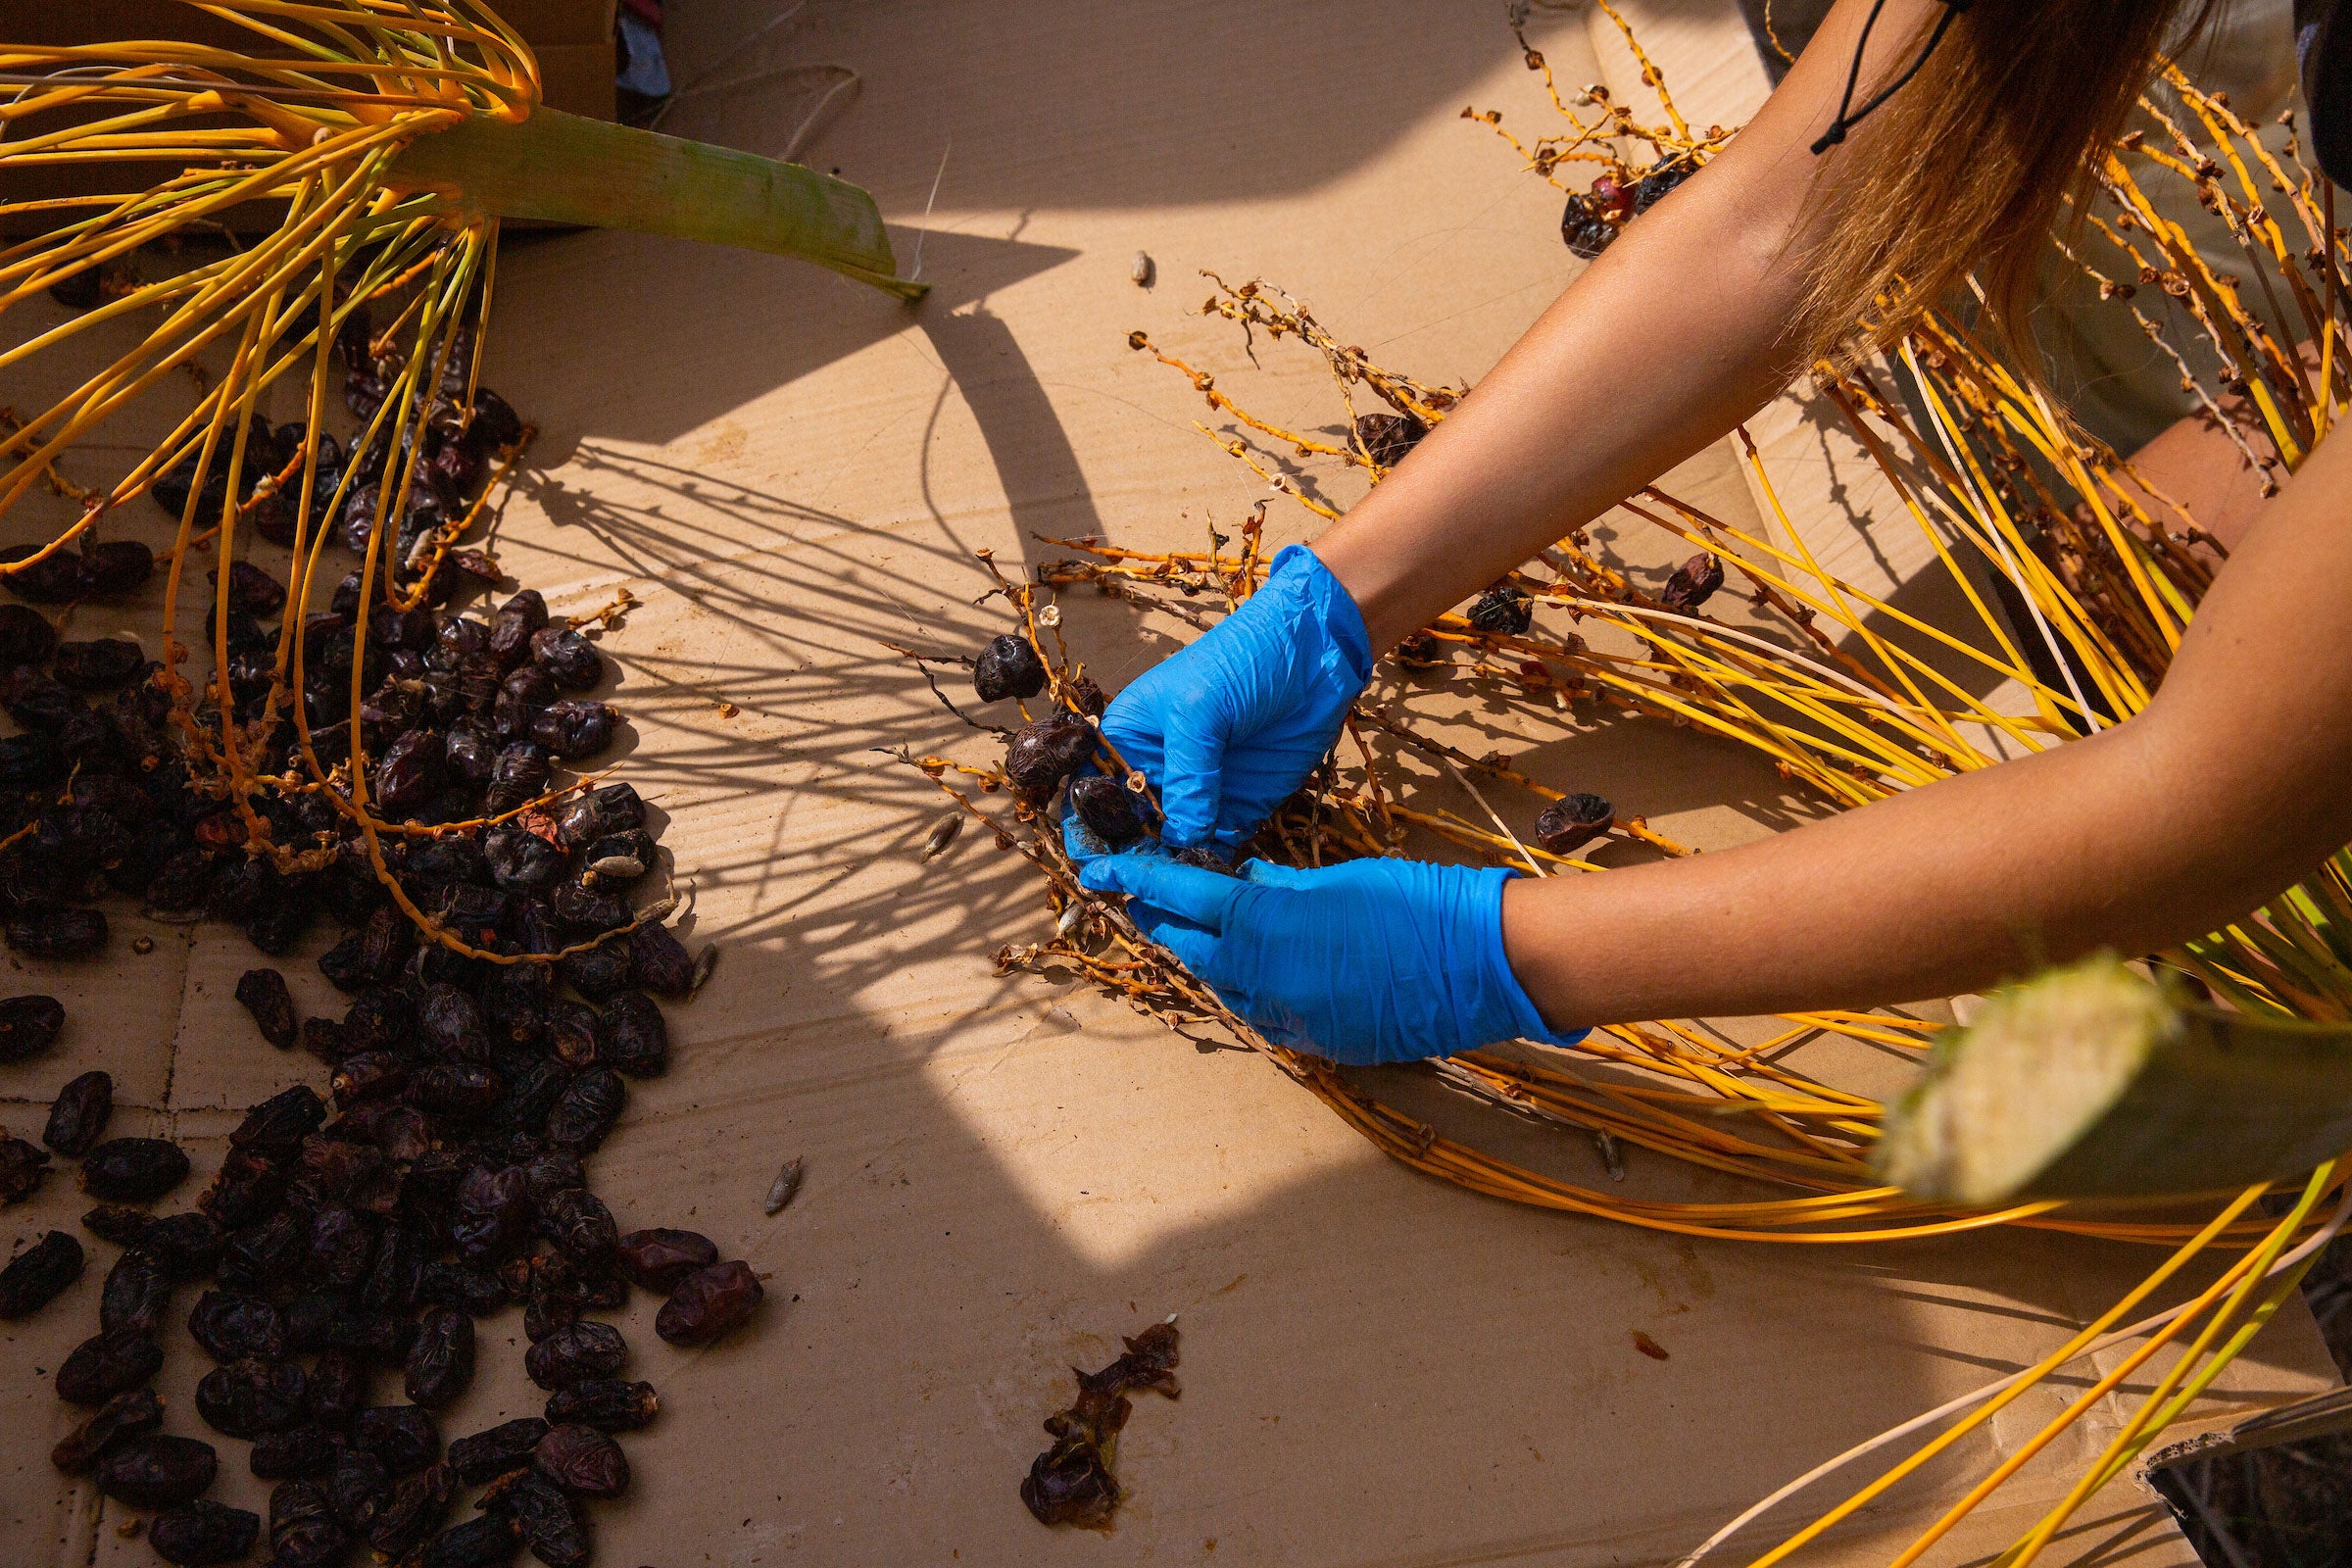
x=1380, y=1371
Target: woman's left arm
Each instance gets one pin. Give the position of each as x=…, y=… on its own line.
x=2236, y=782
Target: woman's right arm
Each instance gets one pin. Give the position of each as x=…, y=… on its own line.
x=1673, y=336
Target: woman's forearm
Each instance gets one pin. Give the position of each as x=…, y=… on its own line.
x=1673, y=336
x=2228, y=789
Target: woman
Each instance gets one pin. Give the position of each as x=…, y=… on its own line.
x=2231, y=785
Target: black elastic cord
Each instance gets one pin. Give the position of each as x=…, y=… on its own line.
x=1845, y=121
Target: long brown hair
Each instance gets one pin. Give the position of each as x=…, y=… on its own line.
x=1968, y=166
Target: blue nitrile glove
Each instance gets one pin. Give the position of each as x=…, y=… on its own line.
x=1226, y=729
x=1366, y=962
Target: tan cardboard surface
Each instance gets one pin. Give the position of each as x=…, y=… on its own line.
x=1005, y=1174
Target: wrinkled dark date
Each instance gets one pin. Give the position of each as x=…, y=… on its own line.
x=77, y=1118
x=484, y=1456
x=125, y=1415
x=106, y=1364
x=137, y=1294
x=133, y=1170
x=37, y=1275
x=62, y=932
x=247, y=1397
x=263, y=994
x=405, y=1437
x=581, y=1460
x=484, y=1542
x=546, y=1517
x=636, y=1038
x=279, y=1124
x=580, y=1350
x=24, y=1164
x=413, y=1511
x=709, y=1303
x=1008, y=666
x=156, y=1471
x=205, y=1532
x=604, y=1404
x=231, y=1327
x=28, y=1024
x=657, y=1260
x=440, y=1362
x=304, y=1532
x=1071, y=1483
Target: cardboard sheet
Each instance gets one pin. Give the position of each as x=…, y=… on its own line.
x=1004, y=1175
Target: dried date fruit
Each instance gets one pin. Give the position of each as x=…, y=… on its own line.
x=581, y=1460
x=597, y=972
x=619, y=859
x=263, y=994
x=1502, y=611
x=28, y=1024
x=355, y=1487
x=577, y=1221
x=188, y=1245
x=1040, y=754
x=492, y=1208
x=156, y=1470
x=573, y=729
x=1584, y=227
x=120, y=1223
x=636, y=1038
x=577, y=904
x=368, y=1075
x=248, y=1188
x=338, y=1387
x=26, y=635
x=511, y=630
x=300, y=1450
x=381, y=1339
x=265, y=1256
x=39, y=1274
x=24, y=1164
x=115, y=568
x=709, y=1303
x=1386, y=437
x=440, y=1362
x=575, y=1035
x=1572, y=822
x=586, y=1109
x=1071, y=1483
x=522, y=860
x=575, y=1351
x=78, y=1116
x=138, y=1292
x=415, y=1509
x=484, y=1456
x=484, y=1542
x=204, y=1531
x=608, y=1404
x=657, y=1260
x=658, y=962
x=61, y=932
x=1694, y=582
x=342, y=1245
x=1106, y=808
x=133, y=1170
x=233, y=1328
x=304, y=1532
x=247, y=1397
x=568, y=657
x=455, y=1087
x=406, y=1437
x=1007, y=667
x=549, y=1521
x=125, y=1415
x=471, y=1291
x=97, y=664
x=106, y=1364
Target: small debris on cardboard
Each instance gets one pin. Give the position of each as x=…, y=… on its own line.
x=786, y=1185
x=1650, y=1347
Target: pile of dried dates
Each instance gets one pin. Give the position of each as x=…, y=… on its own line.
x=334, y=1266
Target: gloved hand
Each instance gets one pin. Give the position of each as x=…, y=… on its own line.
x=1365, y=962
x=1226, y=729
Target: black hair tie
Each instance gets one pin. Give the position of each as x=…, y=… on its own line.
x=1845, y=121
